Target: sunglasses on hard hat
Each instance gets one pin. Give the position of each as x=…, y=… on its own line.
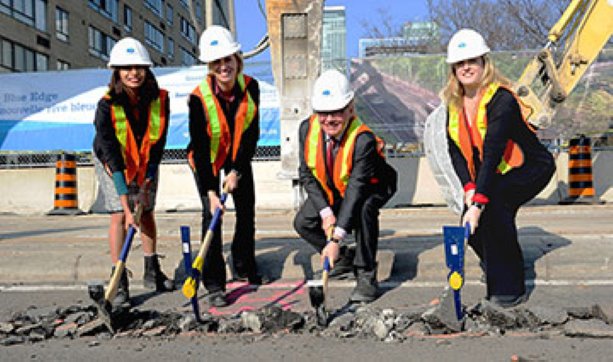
x=130, y=67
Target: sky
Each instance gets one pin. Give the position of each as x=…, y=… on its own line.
x=251, y=25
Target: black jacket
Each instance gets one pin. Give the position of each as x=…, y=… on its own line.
x=200, y=141
x=107, y=147
x=367, y=164
x=504, y=122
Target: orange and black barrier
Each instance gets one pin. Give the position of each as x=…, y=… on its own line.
x=66, y=195
x=580, y=180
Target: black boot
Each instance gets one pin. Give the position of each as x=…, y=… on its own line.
x=217, y=299
x=154, y=278
x=367, y=289
x=123, y=294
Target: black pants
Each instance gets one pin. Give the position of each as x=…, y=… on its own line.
x=365, y=226
x=495, y=240
x=243, y=243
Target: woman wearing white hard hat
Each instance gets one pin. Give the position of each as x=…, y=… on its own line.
x=224, y=131
x=498, y=159
x=131, y=126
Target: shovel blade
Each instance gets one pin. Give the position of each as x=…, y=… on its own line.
x=316, y=293
x=104, y=307
x=322, y=316
x=317, y=296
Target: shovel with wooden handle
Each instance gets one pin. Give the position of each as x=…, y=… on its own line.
x=96, y=291
x=318, y=289
x=190, y=286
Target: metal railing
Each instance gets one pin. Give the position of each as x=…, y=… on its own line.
x=34, y=159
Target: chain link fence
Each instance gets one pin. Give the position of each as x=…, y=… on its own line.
x=24, y=159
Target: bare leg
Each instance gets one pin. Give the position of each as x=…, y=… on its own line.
x=117, y=235
x=148, y=233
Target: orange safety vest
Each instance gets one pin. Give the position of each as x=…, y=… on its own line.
x=343, y=163
x=218, y=129
x=135, y=159
x=466, y=138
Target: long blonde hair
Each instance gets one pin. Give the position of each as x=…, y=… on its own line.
x=454, y=91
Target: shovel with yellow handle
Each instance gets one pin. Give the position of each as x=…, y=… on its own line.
x=190, y=286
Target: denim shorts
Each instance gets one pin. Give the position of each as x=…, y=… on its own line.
x=108, y=192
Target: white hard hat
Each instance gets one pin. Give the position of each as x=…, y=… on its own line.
x=129, y=51
x=466, y=44
x=331, y=92
x=216, y=42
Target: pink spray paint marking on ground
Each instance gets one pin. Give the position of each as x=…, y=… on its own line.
x=244, y=297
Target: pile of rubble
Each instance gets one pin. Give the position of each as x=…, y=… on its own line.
x=484, y=318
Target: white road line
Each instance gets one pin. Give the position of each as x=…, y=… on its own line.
x=336, y=284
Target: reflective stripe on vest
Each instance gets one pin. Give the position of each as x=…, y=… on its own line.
x=466, y=138
x=217, y=128
x=136, y=160
x=343, y=162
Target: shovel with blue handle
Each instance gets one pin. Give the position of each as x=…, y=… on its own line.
x=455, y=238
x=190, y=287
x=318, y=289
x=187, y=262
x=96, y=290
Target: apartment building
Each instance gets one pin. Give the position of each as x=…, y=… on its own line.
x=42, y=35
x=334, y=39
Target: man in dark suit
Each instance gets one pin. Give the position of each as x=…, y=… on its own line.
x=347, y=181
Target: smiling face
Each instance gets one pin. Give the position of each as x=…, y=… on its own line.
x=225, y=70
x=333, y=123
x=132, y=77
x=469, y=72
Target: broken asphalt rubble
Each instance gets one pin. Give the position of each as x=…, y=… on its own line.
x=355, y=321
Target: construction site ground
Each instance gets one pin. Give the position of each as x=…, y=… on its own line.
x=48, y=260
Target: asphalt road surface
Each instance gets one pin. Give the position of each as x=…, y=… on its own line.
x=45, y=261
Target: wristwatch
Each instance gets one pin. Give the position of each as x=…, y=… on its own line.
x=478, y=205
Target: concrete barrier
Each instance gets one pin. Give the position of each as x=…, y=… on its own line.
x=31, y=191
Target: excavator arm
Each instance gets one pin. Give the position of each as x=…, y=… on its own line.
x=583, y=30
x=573, y=44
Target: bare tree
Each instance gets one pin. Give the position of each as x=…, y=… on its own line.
x=505, y=24
x=383, y=27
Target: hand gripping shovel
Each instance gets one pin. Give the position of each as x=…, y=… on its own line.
x=190, y=287
x=96, y=291
x=318, y=289
x=455, y=244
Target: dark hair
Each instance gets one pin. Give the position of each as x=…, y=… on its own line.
x=148, y=92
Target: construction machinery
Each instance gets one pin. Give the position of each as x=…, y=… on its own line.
x=573, y=44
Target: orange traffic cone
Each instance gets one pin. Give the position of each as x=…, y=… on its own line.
x=66, y=201
x=580, y=180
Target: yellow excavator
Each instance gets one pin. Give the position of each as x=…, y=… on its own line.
x=585, y=27
x=573, y=44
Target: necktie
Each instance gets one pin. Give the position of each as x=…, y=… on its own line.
x=330, y=155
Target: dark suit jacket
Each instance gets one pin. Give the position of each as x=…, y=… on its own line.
x=367, y=165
